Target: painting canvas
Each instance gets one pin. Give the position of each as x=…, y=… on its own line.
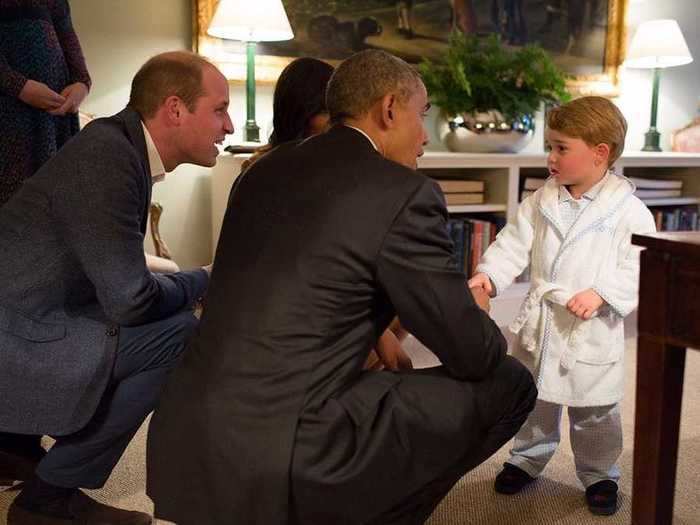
x=585, y=37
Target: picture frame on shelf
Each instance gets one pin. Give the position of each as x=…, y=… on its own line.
x=586, y=38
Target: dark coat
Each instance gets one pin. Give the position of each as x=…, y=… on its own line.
x=269, y=418
x=73, y=271
x=37, y=42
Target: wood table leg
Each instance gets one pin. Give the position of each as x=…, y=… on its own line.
x=658, y=409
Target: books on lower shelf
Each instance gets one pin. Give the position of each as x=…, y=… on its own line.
x=458, y=191
x=681, y=218
x=471, y=237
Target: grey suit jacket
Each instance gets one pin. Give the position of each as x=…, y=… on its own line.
x=72, y=271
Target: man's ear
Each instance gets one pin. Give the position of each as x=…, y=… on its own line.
x=173, y=109
x=389, y=110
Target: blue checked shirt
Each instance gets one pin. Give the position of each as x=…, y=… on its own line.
x=570, y=208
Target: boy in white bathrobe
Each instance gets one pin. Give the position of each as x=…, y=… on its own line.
x=575, y=234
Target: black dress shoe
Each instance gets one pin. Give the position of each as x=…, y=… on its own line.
x=18, y=464
x=512, y=480
x=601, y=498
x=61, y=506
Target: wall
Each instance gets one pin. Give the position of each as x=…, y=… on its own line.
x=119, y=35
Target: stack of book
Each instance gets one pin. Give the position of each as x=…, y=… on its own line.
x=657, y=188
x=471, y=238
x=459, y=191
x=530, y=186
x=678, y=218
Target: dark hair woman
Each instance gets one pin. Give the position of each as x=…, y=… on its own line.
x=299, y=105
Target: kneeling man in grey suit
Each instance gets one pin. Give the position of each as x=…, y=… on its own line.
x=87, y=333
x=270, y=417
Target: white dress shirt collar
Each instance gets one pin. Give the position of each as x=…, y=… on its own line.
x=365, y=134
x=154, y=160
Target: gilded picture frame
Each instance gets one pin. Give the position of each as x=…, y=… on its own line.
x=600, y=76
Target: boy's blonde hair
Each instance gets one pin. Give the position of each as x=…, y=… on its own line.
x=595, y=120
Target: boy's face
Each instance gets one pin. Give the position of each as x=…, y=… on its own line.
x=573, y=162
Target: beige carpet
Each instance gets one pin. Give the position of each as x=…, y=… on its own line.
x=556, y=498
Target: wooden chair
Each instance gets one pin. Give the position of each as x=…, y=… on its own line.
x=162, y=261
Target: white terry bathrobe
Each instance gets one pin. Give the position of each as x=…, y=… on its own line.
x=576, y=363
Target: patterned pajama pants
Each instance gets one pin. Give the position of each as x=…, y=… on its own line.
x=596, y=440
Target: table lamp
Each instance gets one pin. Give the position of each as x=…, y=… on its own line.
x=657, y=44
x=251, y=22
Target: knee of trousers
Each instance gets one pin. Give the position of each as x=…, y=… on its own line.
x=180, y=330
x=514, y=387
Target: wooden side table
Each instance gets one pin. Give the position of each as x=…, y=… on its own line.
x=669, y=322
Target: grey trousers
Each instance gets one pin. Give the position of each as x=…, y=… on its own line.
x=596, y=441
x=145, y=356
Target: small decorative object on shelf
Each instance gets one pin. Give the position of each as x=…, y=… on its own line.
x=687, y=139
x=488, y=94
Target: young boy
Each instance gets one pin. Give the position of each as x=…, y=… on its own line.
x=574, y=233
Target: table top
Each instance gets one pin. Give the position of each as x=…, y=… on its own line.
x=676, y=243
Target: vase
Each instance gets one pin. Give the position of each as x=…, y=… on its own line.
x=487, y=132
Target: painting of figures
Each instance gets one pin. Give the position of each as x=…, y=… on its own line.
x=584, y=36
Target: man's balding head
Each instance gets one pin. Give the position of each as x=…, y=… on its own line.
x=175, y=73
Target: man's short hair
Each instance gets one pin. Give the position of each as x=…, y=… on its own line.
x=595, y=120
x=177, y=73
x=365, y=77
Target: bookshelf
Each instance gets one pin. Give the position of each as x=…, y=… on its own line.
x=503, y=175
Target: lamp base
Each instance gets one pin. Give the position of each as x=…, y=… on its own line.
x=251, y=132
x=651, y=140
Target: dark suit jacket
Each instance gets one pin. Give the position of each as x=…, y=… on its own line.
x=72, y=271
x=322, y=243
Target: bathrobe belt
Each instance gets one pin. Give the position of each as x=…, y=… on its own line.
x=530, y=319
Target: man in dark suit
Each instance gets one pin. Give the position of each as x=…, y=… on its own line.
x=87, y=333
x=269, y=418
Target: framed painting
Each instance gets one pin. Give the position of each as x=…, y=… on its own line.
x=585, y=37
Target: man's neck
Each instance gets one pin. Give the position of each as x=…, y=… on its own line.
x=367, y=127
x=164, y=146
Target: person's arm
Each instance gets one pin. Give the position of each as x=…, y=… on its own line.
x=11, y=81
x=31, y=92
x=97, y=210
x=70, y=45
x=416, y=268
x=80, y=82
x=509, y=254
x=620, y=288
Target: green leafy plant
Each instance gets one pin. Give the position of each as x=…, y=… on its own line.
x=480, y=74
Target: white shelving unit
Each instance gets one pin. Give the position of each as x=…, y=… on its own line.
x=476, y=208
x=673, y=201
x=502, y=174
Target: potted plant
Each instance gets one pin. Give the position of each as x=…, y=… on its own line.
x=489, y=93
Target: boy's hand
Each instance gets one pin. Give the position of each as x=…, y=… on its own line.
x=585, y=303
x=481, y=280
x=391, y=354
x=481, y=298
